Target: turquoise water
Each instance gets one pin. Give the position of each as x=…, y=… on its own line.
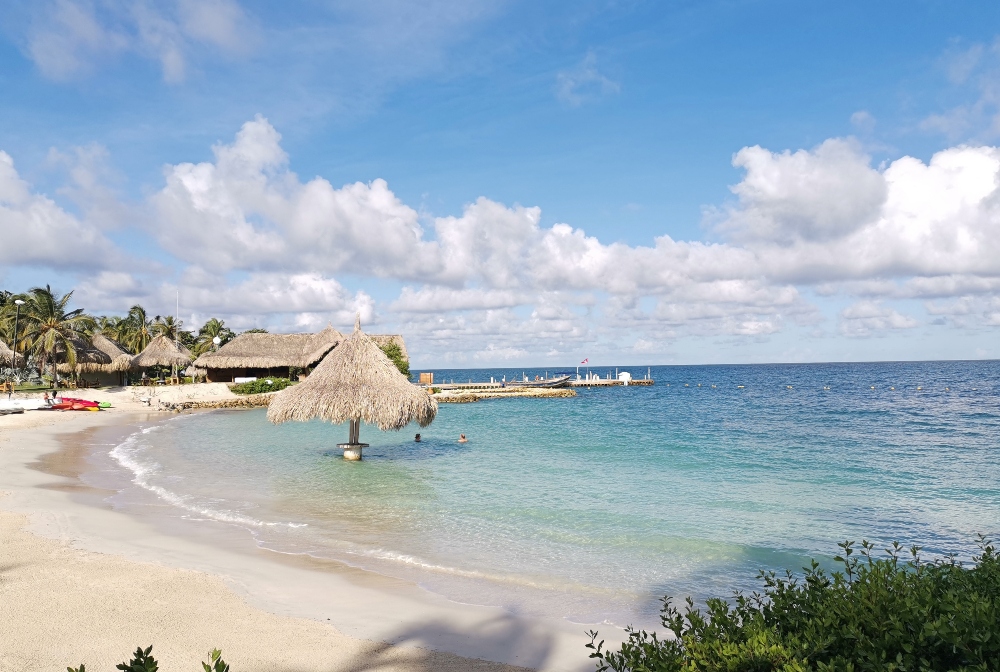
x=593, y=507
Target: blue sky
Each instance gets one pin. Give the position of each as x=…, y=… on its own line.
x=622, y=120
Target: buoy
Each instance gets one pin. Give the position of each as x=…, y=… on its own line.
x=740, y=387
x=873, y=387
x=713, y=387
x=892, y=388
x=826, y=387
x=947, y=389
x=919, y=388
x=686, y=385
x=699, y=384
x=788, y=387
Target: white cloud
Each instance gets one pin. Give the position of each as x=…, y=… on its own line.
x=867, y=318
x=36, y=230
x=261, y=247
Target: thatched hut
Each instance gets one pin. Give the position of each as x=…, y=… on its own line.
x=162, y=351
x=356, y=382
x=7, y=356
x=102, y=357
x=257, y=355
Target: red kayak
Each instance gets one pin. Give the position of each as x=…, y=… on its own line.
x=61, y=407
x=81, y=402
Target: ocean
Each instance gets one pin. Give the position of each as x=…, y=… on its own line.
x=593, y=508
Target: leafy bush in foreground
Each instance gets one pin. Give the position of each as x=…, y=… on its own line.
x=143, y=661
x=261, y=385
x=875, y=614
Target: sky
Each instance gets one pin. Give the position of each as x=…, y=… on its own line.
x=511, y=183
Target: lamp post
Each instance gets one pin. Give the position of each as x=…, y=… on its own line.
x=13, y=364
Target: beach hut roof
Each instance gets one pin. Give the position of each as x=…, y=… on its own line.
x=356, y=381
x=7, y=355
x=162, y=351
x=271, y=351
x=99, y=354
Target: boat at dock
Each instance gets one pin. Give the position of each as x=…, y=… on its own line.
x=558, y=381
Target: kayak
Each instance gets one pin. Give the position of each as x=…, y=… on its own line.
x=81, y=402
x=61, y=407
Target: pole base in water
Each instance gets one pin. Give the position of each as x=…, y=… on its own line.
x=352, y=451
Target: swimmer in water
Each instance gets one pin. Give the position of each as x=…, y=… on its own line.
x=462, y=439
x=417, y=438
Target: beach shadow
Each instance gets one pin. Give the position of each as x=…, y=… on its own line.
x=419, y=648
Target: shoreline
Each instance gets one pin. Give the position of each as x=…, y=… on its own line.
x=358, y=606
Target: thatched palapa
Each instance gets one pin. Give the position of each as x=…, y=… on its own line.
x=162, y=351
x=356, y=382
x=100, y=355
x=7, y=356
x=259, y=355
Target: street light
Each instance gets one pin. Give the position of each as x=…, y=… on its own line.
x=13, y=364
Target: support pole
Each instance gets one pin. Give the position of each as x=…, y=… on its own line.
x=352, y=449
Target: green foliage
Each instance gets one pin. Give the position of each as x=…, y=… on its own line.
x=212, y=328
x=141, y=661
x=216, y=664
x=395, y=353
x=261, y=385
x=255, y=330
x=876, y=614
x=82, y=668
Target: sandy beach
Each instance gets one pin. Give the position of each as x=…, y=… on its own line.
x=80, y=582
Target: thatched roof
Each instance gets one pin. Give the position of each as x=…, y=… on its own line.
x=355, y=382
x=382, y=340
x=7, y=355
x=271, y=351
x=100, y=354
x=162, y=351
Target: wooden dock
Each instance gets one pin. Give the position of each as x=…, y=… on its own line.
x=610, y=382
x=583, y=382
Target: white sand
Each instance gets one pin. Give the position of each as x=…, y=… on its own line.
x=87, y=584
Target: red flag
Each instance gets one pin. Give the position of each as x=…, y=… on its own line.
x=585, y=361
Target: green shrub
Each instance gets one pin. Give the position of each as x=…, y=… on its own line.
x=261, y=385
x=216, y=663
x=395, y=353
x=142, y=661
x=873, y=615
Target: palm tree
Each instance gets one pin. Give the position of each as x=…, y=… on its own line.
x=214, y=327
x=50, y=330
x=173, y=329
x=138, y=330
x=113, y=327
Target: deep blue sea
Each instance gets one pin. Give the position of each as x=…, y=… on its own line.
x=592, y=508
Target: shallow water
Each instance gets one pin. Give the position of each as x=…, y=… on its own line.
x=593, y=507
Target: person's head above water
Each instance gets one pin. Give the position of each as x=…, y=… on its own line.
x=417, y=438
x=462, y=439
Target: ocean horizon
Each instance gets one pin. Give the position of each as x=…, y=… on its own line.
x=592, y=508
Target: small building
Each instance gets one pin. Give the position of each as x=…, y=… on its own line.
x=259, y=355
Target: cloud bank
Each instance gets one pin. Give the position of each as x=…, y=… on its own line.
x=898, y=247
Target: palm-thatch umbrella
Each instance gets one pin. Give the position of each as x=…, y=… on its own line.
x=162, y=351
x=355, y=382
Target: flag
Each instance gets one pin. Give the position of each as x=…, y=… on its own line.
x=585, y=361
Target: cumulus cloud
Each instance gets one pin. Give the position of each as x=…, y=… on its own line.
x=36, y=230
x=261, y=246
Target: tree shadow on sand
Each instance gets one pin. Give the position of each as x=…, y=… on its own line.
x=413, y=649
